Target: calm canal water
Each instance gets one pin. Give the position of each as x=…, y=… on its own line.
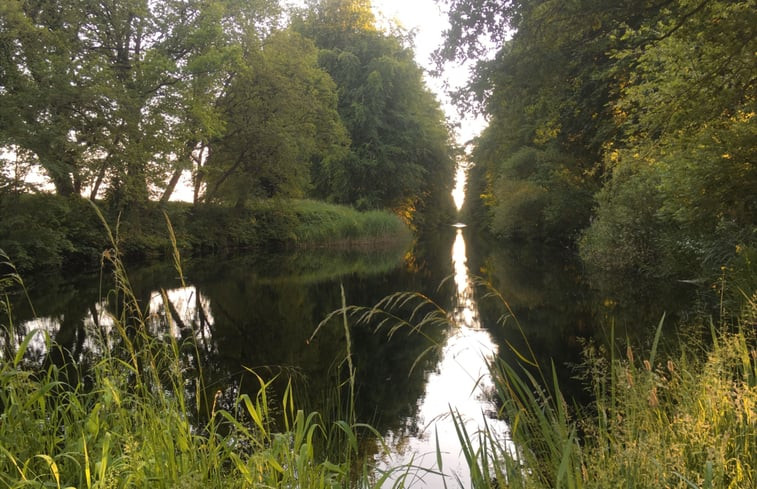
x=257, y=313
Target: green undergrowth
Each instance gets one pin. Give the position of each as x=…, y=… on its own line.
x=45, y=232
x=679, y=416
x=131, y=428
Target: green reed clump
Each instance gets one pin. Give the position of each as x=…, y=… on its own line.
x=687, y=419
x=44, y=232
x=328, y=224
x=128, y=420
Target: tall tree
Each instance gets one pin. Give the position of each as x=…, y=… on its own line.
x=45, y=103
x=648, y=105
x=226, y=32
x=118, y=93
x=400, y=152
x=279, y=114
x=142, y=54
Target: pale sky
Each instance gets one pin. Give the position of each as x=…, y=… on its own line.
x=428, y=21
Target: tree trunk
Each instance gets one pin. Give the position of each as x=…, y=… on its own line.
x=63, y=184
x=212, y=193
x=199, y=171
x=99, y=181
x=106, y=163
x=176, y=176
x=171, y=185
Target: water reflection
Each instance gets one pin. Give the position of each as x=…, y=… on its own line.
x=465, y=312
x=460, y=384
x=181, y=311
x=258, y=312
x=240, y=313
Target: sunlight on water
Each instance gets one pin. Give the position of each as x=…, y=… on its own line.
x=458, y=193
x=466, y=309
x=460, y=383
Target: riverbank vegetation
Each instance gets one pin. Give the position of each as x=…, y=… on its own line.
x=625, y=130
x=49, y=232
x=139, y=414
x=236, y=106
x=678, y=412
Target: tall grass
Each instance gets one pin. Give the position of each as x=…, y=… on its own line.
x=401, y=314
x=320, y=223
x=129, y=419
x=679, y=419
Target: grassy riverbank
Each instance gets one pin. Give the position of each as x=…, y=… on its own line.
x=45, y=232
x=680, y=416
x=139, y=415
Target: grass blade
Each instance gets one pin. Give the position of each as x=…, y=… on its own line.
x=656, y=341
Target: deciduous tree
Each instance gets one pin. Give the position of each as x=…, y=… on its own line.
x=279, y=113
x=400, y=153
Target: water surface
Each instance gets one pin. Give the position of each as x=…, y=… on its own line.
x=257, y=314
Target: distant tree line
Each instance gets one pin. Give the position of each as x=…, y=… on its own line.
x=118, y=99
x=627, y=127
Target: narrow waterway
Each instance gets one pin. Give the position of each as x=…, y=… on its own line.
x=257, y=313
x=458, y=392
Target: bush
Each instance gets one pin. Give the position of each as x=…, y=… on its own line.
x=626, y=233
x=32, y=233
x=537, y=196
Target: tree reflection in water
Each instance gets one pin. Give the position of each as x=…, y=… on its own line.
x=460, y=384
x=251, y=313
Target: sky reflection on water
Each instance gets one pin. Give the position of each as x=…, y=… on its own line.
x=258, y=312
x=461, y=384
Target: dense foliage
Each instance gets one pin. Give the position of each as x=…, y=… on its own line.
x=627, y=126
x=395, y=124
x=120, y=100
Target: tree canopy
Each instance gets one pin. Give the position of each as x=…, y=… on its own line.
x=110, y=91
x=119, y=99
x=628, y=126
x=401, y=155
x=280, y=111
